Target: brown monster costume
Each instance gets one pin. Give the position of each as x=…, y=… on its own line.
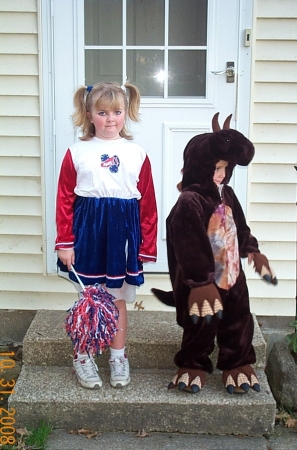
x=207, y=235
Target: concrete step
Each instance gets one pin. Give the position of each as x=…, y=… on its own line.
x=53, y=394
x=153, y=339
x=63, y=440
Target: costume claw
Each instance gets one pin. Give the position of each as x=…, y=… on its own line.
x=172, y=383
x=220, y=314
x=208, y=319
x=255, y=383
x=195, y=389
x=194, y=319
x=206, y=309
x=183, y=381
x=194, y=313
x=230, y=389
x=261, y=265
x=194, y=310
x=196, y=385
x=245, y=387
x=230, y=385
x=217, y=306
x=269, y=279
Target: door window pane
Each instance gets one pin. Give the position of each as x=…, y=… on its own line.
x=145, y=69
x=145, y=22
x=103, y=65
x=103, y=22
x=186, y=74
x=173, y=63
x=187, y=22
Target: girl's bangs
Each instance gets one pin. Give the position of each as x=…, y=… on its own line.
x=110, y=100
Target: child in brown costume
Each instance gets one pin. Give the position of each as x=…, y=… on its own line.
x=207, y=235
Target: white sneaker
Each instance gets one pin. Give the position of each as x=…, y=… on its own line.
x=119, y=372
x=86, y=371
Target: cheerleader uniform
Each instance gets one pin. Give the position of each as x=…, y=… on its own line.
x=106, y=211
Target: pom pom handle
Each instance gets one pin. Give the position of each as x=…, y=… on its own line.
x=78, y=279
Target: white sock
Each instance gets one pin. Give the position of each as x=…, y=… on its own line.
x=114, y=353
x=81, y=356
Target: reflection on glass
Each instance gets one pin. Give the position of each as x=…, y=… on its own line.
x=145, y=69
x=103, y=22
x=103, y=65
x=187, y=22
x=145, y=22
x=187, y=73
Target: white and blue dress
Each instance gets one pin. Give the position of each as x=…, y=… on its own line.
x=106, y=210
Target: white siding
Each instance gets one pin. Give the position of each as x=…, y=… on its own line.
x=272, y=177
x=23, y=285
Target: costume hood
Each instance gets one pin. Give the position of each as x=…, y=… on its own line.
x=204, y=151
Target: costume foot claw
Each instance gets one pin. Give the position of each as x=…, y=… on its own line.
x=188, y=380
x=240, y=380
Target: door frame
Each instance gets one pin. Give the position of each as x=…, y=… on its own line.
x=52, y=57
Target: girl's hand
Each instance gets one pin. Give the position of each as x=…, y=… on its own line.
x=67, y=257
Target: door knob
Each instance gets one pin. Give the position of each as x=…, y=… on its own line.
x=229, y=71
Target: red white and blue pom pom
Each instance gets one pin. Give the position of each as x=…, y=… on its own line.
x=92, y=322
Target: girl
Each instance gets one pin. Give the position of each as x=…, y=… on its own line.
x=106, y=211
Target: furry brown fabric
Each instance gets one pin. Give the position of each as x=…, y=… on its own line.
x=192, y=265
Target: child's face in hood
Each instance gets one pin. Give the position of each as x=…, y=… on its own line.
x=203, y=152
x=220, y=172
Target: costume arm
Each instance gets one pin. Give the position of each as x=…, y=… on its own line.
x=188, y=242
x=247, y=243
x=148, y=214
x=65, y=201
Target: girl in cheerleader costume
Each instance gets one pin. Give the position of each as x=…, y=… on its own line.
x=106, y=212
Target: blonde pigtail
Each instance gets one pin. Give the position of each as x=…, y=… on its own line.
x=80, y=113
x=134, y=102
x=80, y=118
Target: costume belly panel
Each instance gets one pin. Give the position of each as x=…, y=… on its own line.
x=222, y=234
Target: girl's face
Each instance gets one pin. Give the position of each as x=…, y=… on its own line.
x=220, y=172
x=108, y=122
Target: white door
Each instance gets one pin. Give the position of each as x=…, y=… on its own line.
x=169, y=49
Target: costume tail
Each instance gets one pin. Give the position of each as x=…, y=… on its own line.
x=165, y=297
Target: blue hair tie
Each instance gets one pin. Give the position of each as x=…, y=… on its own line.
x=89, y=88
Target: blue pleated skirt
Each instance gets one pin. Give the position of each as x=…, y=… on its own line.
x=107, y=239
